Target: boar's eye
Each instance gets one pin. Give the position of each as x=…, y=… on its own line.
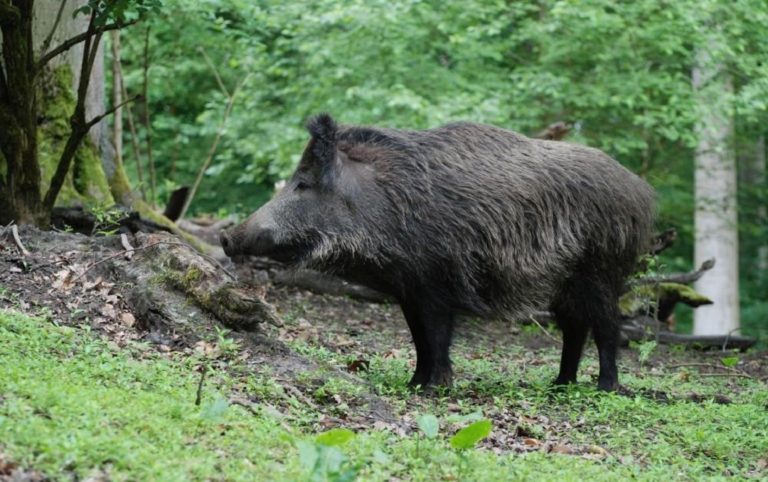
x=301, y=186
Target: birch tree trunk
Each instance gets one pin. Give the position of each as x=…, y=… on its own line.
x=716, y=223
x=758, y=168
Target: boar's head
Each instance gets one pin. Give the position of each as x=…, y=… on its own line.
x=317, y=216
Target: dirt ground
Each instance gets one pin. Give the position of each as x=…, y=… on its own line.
x=76, y=280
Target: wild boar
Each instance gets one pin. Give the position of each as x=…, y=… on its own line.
x=463, y=219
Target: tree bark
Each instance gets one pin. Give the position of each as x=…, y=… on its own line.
x=716, y=223
x=758, y=168
x=20, y=197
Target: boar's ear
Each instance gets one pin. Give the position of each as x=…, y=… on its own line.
x=322, y=128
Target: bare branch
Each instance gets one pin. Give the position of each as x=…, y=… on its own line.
x=214, y=146
x=47, y=41
x=215, y=72
x=110, y=111
x=68, y=44
x=683, y=278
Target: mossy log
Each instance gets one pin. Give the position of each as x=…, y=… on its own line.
x=204, y=281
x=660, y=299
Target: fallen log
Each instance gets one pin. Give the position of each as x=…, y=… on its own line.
x=704, y=342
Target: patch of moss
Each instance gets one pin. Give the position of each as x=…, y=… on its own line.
x=642, y=296
x=86, y=182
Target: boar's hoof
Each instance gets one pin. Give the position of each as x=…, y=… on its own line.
x=607, y=385
x=438, y=378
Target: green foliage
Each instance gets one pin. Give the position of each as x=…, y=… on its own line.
x=335, y=437
x=470, y=435
x=644, y=350
x=620, y=73
x=429, y=425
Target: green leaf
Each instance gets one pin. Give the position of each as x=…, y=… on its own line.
x=336, y=436
x=213, y=412
x=308, y=454
x=429, y=425
x=730, y=361
x=470, y=435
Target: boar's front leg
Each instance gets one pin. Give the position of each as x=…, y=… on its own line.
x=431, y=329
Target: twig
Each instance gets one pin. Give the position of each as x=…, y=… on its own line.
x=684, y=278
x=214, y=146
x=98, y=118
x=17, y=240
x=215, y=72
x=127, y=246
x=246, y=405
x=49, y=38
x=68, y=44
x=199, y=396
x=549, y=335
x=731, y=374
x=705, y=365
x=134, y=137
x=728, y=338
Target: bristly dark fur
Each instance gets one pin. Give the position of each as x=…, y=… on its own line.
x=469, y=218
x=323, y=129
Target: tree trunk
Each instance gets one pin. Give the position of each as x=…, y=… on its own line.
x=20, y=197
x=716, y=224
x=758, y=169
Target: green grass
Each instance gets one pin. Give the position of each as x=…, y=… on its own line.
x=73, y=405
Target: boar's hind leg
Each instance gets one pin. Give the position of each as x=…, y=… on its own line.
x=431, y=329
x=588, y=300
x=575, y=333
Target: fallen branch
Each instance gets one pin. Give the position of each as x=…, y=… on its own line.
x=736, y=374
x=682, y=278
x=544, y=330
x=127, y=246
x=17, y=240
x=634, y=333
x=705, y=365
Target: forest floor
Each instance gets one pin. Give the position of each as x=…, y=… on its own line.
x=90, y=391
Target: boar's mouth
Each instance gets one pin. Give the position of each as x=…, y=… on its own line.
x=263, y=244
x=284, y=253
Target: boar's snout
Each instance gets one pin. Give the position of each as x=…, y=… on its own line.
x=247, y=240
x=226, y=243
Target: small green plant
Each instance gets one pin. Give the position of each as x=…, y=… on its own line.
x=228, y=347
x=644, y=350
x=324, y=461
x=106, y=219
x=429, y=425
x=467, y=438
x=730, y=361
